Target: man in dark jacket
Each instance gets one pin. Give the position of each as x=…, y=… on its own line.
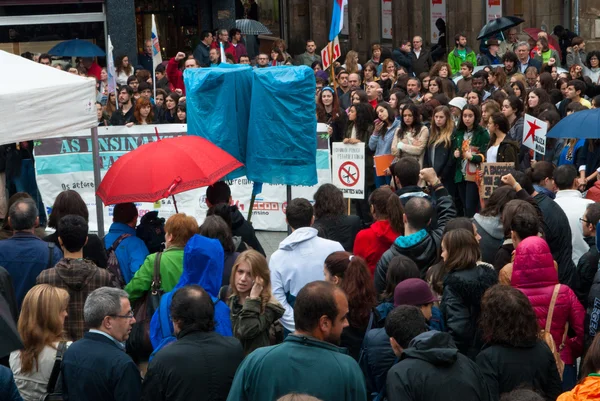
x=126, y=107
x=96, y=368
x=175, y=374
x=588, y=263
x=406, y=177
x=220, y=192
x=203, y=48
x=402, y=55
x=420, y=58
x=420, y=242
x=430, y=366
x=556, y=230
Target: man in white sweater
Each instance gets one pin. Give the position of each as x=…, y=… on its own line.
x=573, y=204
x=300, y=258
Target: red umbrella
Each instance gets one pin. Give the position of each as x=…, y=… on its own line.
x=164, y=168
x=533, y=34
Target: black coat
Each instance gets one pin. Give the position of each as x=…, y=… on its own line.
x=557, y=232
x=198, y=366
x=443, y=162
x=94, y=249
x=96, y=369
x=421, y=64
x=592, y=310
x=461, y=305
x=424, y=253
x=241, y=228
x=587, y=268
x=342, y=229
x=7, y=291
x=431, y=368
x=378, y=358
x=403, y=59
x=506, y=368
x=504, y=255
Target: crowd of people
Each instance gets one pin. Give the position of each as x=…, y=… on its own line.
x=427, y=291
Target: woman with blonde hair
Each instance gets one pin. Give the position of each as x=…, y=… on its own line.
x=351, y=65
x=438, y=153
x=41, y=325
x=253, y=307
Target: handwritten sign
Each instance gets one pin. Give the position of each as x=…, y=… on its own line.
x=491, y=175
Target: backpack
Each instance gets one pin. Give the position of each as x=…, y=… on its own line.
x=113, y=266
x=547, y=336
x=151, y=230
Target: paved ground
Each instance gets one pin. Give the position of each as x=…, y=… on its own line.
x=270, y=240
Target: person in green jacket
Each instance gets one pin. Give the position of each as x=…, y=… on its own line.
x=461, y=53
x=253, y=307
x=471, y=145
x=178, y=230
x=307, y=362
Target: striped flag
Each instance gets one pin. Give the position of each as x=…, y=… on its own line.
x=110, y=69
x=337, y=18
x=156, y=55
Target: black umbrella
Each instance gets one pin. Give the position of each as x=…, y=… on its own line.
x=11, y=340
x=498, y=25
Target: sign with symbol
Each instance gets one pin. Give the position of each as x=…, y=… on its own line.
x=534, y=134
x=348, y=169
x=330, y=53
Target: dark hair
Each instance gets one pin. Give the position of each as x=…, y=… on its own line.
x=315, y=300
x=564, y=176
x=357, y=283
x=388, y=206
x=522, y=394
x=575, y=107
x=550, y=116
x=193, y=309
x=458, y=36
x=510, y=56
x=418, y=212
x=499, y=96
x=364, y=118
x=215, y=227
x=516, y=104
x=462, y=248
x=67, y=202
x=233, y=32
x=223, y=210
x=73, y=232
x=459, y=222
x=131, y=79
x=519, y=207
x=524, y=180
x=417, y=124
x=124, y=212
x=578, y=85
x=540, y=171
x=525, y=225
x=160, y=68
x=588, y=63
x=407, y=170
x=204, y=34
x=400, y=268
x=546, y=81
x=592, y=214
x=23, y=214
x=391, y=115
x=329, y=201
x=404, y=323
x=144, y=86
x=127, y=89
x=467, y=64
x=477, y=114
x=299, y=213
x=521, y=87
x=502, y=122
x=219, y=192
x=499, y=198
x=507, y=318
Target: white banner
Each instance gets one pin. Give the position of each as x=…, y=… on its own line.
x=348, y=169
x=437, y=9
x=386, y=19
x=66, y=163
x=534, y=134
x=493, y=9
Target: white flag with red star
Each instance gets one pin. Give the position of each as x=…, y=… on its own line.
x=534, y=134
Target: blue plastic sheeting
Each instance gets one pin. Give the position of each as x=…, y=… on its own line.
x=282, y=143
x=218, y=107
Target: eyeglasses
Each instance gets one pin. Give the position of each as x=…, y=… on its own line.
x=127, y=316
x=584, y=221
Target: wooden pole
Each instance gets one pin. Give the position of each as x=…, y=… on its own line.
x=348, y=207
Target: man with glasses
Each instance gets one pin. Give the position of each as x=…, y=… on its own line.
x=262, y=60
x=509, y=44
x=96, y=368
x=420, y=59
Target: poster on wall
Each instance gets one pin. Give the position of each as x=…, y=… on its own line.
x=494, y=9
x=66, y=163
x=386, y=19
x=437, y=9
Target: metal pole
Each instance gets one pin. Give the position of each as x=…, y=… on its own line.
x=289, y=199
x=97, y=179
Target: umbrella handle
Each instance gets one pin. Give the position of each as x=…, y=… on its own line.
x=174, y=184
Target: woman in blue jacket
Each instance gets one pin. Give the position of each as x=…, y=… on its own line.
x=380, y=141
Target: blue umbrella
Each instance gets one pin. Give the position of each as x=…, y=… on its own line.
x=580, y=125
x=76, y=48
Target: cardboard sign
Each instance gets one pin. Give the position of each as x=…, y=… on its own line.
x=534, y=134
x=348, y=169
x=326, y=54
x=491, y=175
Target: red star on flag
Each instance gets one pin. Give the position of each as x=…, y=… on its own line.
x=532, y=128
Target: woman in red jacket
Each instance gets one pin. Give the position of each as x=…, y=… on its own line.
x=387, y=211
x=536, y=276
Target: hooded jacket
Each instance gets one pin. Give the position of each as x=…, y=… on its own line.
x=431, y=368
x=298, y=261
x=202, y=265
x=424, y=246
x=241, y=228
x=587, y=390
x=342, y=229
x=79, y=277
x=508, y=151
x=455, y=61
x=461, y=305
x=372, y=242
x=492, y=235
x=534, y=274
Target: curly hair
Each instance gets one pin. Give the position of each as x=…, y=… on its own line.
x=329, y=201
x=507, y=317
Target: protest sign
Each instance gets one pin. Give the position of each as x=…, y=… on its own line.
x=534, y=134
x=348, y=169
x=491, y=175
x=66, y=163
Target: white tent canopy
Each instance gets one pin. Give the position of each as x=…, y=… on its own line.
x=37, y=101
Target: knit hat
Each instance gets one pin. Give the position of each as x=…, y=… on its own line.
x=413, y=291
x=459, y=102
